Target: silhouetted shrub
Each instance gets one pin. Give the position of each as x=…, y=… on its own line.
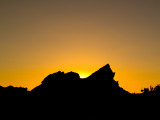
x=153, y=91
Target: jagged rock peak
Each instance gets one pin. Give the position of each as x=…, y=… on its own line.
x=105, y=68
x=104, y=71
x=70, y=84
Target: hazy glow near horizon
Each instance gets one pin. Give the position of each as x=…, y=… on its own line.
x=83, y=74
x=41, y=37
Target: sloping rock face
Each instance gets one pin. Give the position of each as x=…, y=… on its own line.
x=104, y=81
x=69, y=85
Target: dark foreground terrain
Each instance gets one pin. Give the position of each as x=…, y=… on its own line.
x=67, y=96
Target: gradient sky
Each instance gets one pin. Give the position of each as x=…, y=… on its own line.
x=39, y=37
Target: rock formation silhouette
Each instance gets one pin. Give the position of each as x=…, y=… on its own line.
x=99, y=84
x=88, y=98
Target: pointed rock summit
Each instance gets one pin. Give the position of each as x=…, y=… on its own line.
x=103, y=73
x=105, y=68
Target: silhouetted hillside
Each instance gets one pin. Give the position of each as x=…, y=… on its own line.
x=66, y=96
x=99, y=84
x=11, y=91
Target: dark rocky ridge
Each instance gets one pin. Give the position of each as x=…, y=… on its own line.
x=99, y=84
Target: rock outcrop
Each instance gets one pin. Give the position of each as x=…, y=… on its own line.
x=100, y=84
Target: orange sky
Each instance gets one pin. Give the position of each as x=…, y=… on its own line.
x=40, y=37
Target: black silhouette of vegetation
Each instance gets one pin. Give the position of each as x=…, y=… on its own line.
x=152, y=91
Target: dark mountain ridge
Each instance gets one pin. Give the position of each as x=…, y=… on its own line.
x=99, y=84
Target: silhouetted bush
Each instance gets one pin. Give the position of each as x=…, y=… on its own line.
x=152, y=91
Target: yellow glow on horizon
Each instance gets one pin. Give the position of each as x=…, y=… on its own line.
x=83, y=74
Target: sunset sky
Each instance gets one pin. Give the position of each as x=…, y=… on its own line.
x=40, y=37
